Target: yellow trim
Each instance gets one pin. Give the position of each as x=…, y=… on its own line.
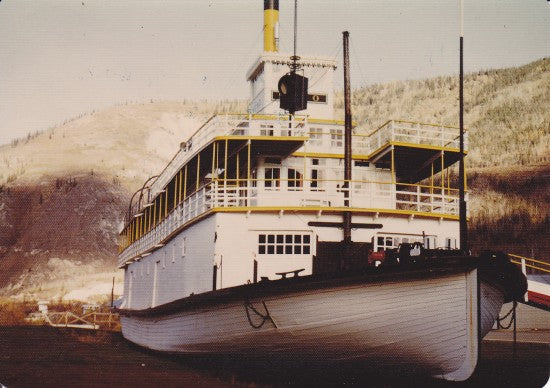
x=240, y=209
x=175, y=190
x=443, y=170
x=198, y=170
x=393, y=166
x=527, y=258
x=531, y=266
x=179, y=193
x=274, y=138
x=327, y=155
x=185, y=184
x=427, y=146
x=224, y=162
x=166, y=202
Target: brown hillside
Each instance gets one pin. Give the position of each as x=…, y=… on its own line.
x=73, y=219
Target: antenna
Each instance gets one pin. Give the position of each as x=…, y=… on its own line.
x=293, y=87
x=461, y=174
x=294, y=65
x=347, y=139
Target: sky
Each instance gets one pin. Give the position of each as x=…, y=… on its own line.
x=62, y=58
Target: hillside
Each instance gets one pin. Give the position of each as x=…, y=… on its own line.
x=505, y=111
x=63, y=192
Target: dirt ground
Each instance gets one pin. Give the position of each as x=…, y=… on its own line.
x=33, y=356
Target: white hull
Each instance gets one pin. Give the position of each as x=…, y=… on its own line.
x=430, y=324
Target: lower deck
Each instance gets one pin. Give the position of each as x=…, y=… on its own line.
x=227, y=249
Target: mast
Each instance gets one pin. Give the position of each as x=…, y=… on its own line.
x=347, y=140
x=461, y=170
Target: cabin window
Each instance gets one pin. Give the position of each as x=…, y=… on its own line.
x=268, y=131
x=272, y=177
x=336, y=137
x=174, y=252
x=450, y=243
x=316, y=137
x=315, y=176
x=294, y=178
x=384, y=242
x=284, y=244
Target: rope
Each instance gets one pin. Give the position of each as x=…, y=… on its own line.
x=248, y=306
x=512, y=318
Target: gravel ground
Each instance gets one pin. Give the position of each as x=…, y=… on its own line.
x=33, y=356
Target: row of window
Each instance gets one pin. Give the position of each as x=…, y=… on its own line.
x=430, y=242
x=284, y=244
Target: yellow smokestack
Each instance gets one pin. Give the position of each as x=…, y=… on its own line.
x=271, y=25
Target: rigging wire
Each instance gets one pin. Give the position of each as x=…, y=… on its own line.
x=358, y=63
x=237, y=73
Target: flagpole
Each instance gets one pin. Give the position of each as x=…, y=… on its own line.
x=461, y=170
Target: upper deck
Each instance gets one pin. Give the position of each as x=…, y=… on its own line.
x=249, y=163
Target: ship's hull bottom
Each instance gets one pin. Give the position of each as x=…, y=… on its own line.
x=427, y=323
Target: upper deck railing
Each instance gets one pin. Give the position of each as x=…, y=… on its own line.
x=245, y=125
x=414, y=133
x=324, y=135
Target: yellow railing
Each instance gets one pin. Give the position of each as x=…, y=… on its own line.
x=534, y=264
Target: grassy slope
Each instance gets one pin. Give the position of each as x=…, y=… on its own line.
x=506, y=111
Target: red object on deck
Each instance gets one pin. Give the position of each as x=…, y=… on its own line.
x=377, y=256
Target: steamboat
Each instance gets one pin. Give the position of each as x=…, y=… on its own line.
x=266, y=235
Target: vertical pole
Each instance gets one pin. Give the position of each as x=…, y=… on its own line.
x=113, y=293
x=248, y=163
x=213, y=159
x=237, y=168
x=461, y=171
x=175, y=190
x=255, y=272
x=393, y=179
x=347, y=140
x=515, y=331
x=214, y=277
x=185, y=184
x=180, y=194
x=166, y=201
x=198, y=172
x=432, y=180
x=155, y=212
x=160, y=208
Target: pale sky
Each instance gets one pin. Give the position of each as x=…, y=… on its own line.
x=62, y=58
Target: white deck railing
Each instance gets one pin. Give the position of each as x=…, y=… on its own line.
x=327, y=137
x=414, y=133
x=229, y=125
x=252, y=194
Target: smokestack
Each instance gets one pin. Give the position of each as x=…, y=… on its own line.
x=271, y=25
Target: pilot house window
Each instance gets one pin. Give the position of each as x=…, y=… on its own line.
x=284, y=244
